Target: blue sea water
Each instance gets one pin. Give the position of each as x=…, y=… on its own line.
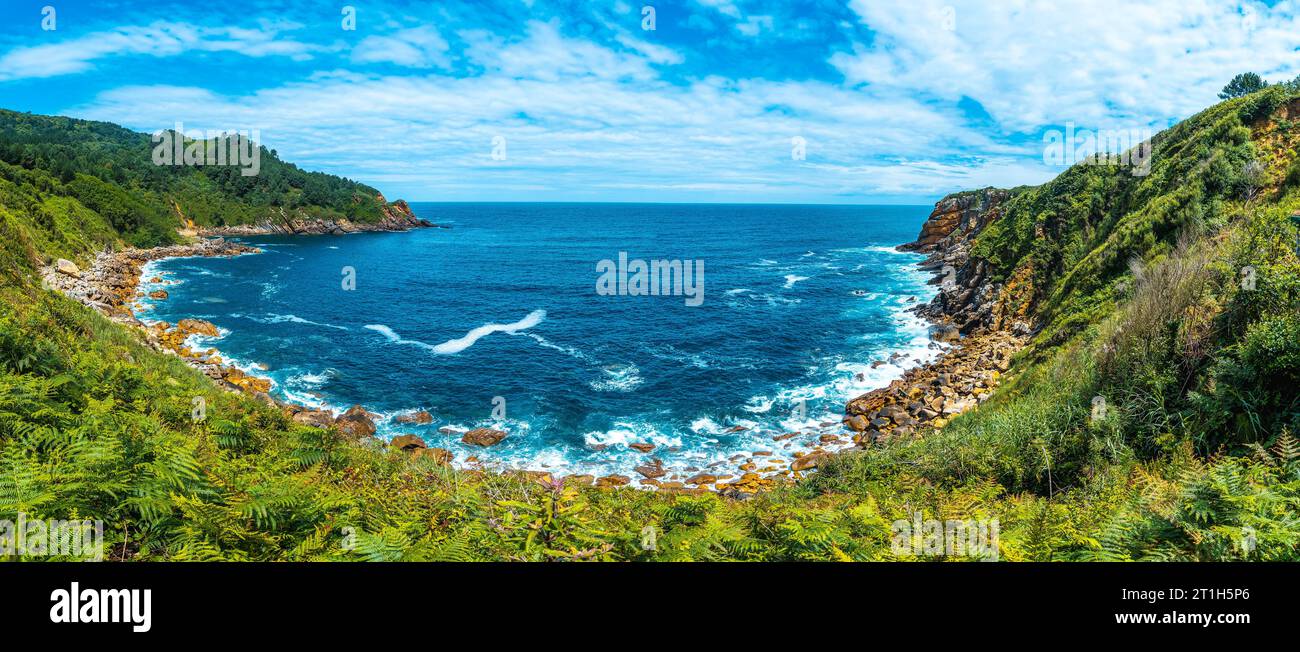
x=501, y=313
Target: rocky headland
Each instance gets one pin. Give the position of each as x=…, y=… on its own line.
x=397, y=216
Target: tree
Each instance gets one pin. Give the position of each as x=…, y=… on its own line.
x=1243, y=84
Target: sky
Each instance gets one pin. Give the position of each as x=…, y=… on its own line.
x=814, y=101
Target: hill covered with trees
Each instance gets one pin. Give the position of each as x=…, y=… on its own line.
x=111, y=171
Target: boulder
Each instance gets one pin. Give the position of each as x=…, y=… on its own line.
x=809, y=461
x=611, y=481
x=356, y=423
x=945, y=333
x=652, y=471
x=438, y=455
x=420, y=417
x=483, y=437
x=702, y=478
x=197, y=327
x=857, y=422
x=158, y=295
x=314, y=418
x=643, y=447
x=68, y=267
x=407, y=443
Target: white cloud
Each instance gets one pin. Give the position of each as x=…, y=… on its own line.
x=416, y=47
x=158, y=40
x=1093, y=62
x=755, y=25
x=581, y=120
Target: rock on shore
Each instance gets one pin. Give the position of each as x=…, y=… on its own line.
x=109, y=286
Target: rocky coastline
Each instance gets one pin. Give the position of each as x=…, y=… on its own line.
x=984, y=320
x=111, y=287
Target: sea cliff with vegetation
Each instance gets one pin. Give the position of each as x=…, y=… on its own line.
x=1124, y=385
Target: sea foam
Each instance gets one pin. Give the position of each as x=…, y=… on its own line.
x=459, y=344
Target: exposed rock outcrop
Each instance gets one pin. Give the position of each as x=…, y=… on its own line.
x=421, y=417
x=985, y=321
x=483, y=437
x=968, y=297
x=396, y=216
x=356, y=423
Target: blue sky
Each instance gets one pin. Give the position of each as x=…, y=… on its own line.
x=897, y=101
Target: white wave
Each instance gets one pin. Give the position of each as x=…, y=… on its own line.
x=272, y=318
x=759, y=405
x=732, y=293
x=618, y=378
x=705, y=426
x=791, y=279
x=459, y=344
x=567, y=350
x=630, y=432
x=892, y=250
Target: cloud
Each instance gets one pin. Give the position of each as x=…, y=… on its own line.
x=159, y=39
x=416, y=47
x=893, y=100
x=1093, y=62
x=581, y=120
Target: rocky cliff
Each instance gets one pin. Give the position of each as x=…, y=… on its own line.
x=968, y=298
x=971, y=309
x=397, y=216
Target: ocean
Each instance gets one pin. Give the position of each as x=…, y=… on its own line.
x=527, y=318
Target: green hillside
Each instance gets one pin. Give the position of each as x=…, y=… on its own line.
x=1133, y=285
x=82, y=184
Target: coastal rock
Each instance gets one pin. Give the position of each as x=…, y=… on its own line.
x=407, y=443
x=812, y=460
x=420, y=417
x=611, y=481
x=438, y=455
x=483, y=437
x=251, y=384
x=945, y=333
x=198, y=327
x=643, y=447
x=356, y=423
x=702, y=478
x=652, y=471
x=314, y=418
x=396, y=216
x=158, y=295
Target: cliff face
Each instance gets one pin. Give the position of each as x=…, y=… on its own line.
x=397, y=216
x=967, y=298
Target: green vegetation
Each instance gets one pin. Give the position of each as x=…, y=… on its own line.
x=1243, y=84
x=1137, y=282
x=110, y=170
